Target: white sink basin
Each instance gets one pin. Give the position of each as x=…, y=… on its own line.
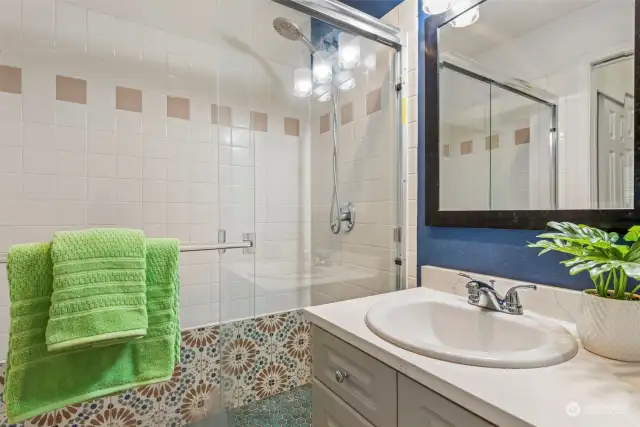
x=446, y=327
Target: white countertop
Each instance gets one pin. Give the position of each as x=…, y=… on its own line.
x=587, y=391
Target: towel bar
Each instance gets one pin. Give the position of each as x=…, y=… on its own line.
x=247, y=243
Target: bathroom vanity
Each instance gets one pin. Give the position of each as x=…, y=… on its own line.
x=363, y=380
x=353, y=389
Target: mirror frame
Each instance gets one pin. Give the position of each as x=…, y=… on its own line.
x=612, y=219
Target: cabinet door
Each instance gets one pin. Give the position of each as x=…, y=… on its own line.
x=420, y=407
x=364, y=383
x=330, y=411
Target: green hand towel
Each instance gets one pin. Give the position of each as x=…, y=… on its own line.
x=38, y=381
x=98, y=288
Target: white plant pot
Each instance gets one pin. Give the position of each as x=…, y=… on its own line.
x=609, y=327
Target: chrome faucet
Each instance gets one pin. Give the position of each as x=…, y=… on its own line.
x=485, y=296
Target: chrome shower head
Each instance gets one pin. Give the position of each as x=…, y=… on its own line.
x=291, y=31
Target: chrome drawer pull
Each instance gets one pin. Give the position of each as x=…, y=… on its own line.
x=341, y=376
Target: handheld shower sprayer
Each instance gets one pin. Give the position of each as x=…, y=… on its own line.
x=338, y=213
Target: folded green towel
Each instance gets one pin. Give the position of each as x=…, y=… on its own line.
x=98, y=288
x=38, y=381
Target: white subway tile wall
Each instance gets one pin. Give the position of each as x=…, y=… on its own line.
x=179, y=121
x=408, y=22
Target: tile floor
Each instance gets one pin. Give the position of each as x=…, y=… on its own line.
x=289, y=409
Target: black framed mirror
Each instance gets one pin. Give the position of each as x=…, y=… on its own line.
x=532, y=114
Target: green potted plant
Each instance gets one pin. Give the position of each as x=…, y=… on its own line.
x=610, y=314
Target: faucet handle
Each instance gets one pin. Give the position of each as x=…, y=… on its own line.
x=512, y=299
x=474, y=286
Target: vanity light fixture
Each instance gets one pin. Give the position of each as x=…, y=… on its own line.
x=467, y=18
x=302, y=84
x=435, y=7
x=322, y=67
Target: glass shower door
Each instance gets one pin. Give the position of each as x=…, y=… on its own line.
x=272, y=160
x=260, y=128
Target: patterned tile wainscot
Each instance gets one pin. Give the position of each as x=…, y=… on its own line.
x=256, y=359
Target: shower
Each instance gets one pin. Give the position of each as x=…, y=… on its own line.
x=291, y=31
x=338, y=213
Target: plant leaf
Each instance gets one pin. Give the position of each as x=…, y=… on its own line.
x=633, y=234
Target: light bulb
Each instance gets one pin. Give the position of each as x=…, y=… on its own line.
x=322, y=67
x=302, y=85
x=323, y=93
x=434, y=7
x=370, y=61
x=346, y=81
x=468, y=17
x=348, y=50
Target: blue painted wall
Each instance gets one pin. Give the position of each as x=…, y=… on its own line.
x=488, y=251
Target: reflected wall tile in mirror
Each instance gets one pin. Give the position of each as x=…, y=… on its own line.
x=492, y=143
x=466, y=147
x=522, y=136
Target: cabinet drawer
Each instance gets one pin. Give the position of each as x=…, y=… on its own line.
x=330, y=411
x=367, y=385
x=419, y=406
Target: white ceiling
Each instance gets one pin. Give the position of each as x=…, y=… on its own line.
x=503, y=20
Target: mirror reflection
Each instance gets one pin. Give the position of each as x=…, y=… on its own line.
x=536, y=102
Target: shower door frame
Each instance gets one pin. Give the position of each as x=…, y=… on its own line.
x=347, y=18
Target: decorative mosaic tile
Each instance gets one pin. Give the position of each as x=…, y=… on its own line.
x=263, y=357
x=133, y=402
x=117, y=417
x=232, y=365
x=200, y=402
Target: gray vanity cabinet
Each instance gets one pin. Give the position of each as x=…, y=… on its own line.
x=331, y=411
x=353, y=389
x=420, y=407
x=366, y=384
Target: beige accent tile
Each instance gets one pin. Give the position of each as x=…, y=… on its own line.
x=374, y=101
x=492, y=143
x=446, y=150
x=291, y=126
x=346, y=113
x=128, y=99
x=178, y=108
x=522, y=136
x=466, y=147
x=325, y=123
x=259, y=121
x=220, y=115
x=10, y=79
x=69, y=89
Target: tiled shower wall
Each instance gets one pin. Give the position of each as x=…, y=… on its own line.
x=176, y=118
x=405, y=17
x=361, y=262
